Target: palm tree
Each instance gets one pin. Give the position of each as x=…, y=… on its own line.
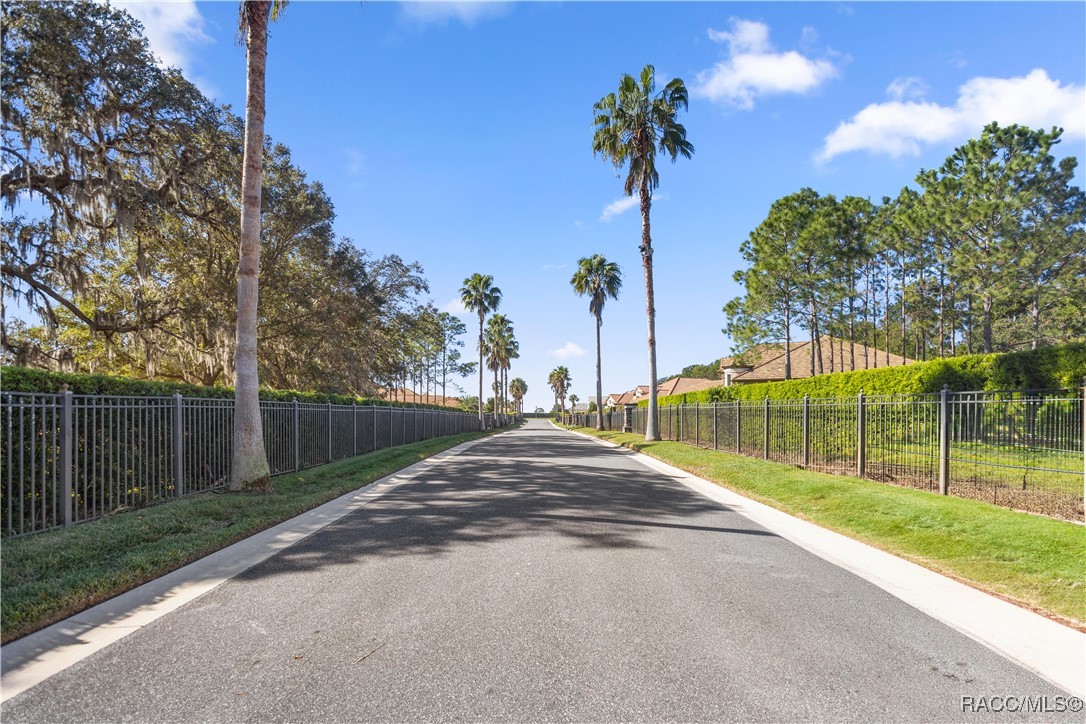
x=510, y=352
x=560, y=381
x=518, y=388
x=632, y=126
x=501, y=347
x=553, y=383
x=599, y=279
x=567, y=381
x=481, y=296
x=573, y=400
x=249, y=462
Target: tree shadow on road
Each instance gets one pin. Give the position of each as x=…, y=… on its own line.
x=528, y=483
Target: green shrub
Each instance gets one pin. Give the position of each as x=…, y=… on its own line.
x=1047, y=368
x=25, y=379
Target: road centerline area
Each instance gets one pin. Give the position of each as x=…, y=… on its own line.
x=538, y=576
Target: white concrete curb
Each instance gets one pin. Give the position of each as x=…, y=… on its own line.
x=32, y=659
x=1047, y=648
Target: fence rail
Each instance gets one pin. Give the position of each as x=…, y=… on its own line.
x=67, y=458
x=1022, y=450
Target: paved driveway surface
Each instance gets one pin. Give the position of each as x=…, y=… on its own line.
x=537, y=576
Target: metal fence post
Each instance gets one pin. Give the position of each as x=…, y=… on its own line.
x=66, y=454
x=354, y=429
x=1084, y=429
x=716, y=429
x=738, y=429
x=294, y=433
x=697, y=423
x=861, y=436
x=806, y=431
x=765, y=429
x=329, y=432
x=944, y=440
x=177, y=434
x=375, y=427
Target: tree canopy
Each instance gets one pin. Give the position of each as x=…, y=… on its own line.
x=987, y=253
x=122, y=191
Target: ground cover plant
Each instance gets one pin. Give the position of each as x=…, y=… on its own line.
x=1030, y=560
x=55, y=574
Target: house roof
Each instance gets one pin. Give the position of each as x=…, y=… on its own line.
x=768, y=360
x=682, y=385
x=399, y=394
x=757, y=355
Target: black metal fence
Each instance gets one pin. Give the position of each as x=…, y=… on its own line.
x=1022, y=450
x=68, y=458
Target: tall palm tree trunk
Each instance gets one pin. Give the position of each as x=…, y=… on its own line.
x=599, y=378
x=651, y=432
x=482, y=422
x=249, y=462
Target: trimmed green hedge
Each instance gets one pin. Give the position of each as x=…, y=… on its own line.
x=25, y=379
x=1047, y=368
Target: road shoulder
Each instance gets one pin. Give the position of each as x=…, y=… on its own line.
x=1043, y=646
x=32, y=659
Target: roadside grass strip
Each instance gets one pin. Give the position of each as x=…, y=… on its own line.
x=1036, y=562
x=53, y=575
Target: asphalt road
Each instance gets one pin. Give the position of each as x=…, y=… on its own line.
x=538, y=576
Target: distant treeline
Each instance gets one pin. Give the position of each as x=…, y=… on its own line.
x=987, y=254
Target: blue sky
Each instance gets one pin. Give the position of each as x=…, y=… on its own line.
x=459, y=135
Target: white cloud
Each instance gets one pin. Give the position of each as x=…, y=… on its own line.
x=621, y=206
x=618, y=207
x=808, y=37
x=754, y=69
x=957, y=59
x=455, y=306
x=356, y=161
x=747, y=36
x=173, y=29
x=903, y=88
x=468, y=13
x=901, y=127
x=567, y=351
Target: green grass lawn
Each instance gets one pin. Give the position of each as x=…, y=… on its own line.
x=1034, y=561
x=52, y=575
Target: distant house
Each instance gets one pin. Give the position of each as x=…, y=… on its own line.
x=399, y=394
x=765, y=362
x=682, y=385
x=622, y=398
x=674, y=386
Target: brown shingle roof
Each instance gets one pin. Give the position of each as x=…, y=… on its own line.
x=756, y=355
x=682, y=385
x=399, y=394
x=770, y=368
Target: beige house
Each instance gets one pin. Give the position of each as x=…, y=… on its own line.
x=622, y=398
x=765, y=362
x=674, y=386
